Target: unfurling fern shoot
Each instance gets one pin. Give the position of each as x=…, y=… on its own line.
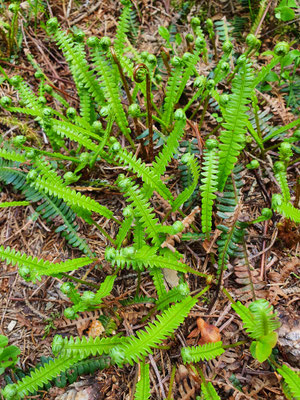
x=209, y=184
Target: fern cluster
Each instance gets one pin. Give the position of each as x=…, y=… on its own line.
x=117, y=107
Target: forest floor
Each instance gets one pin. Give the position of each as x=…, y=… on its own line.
x=31, y=314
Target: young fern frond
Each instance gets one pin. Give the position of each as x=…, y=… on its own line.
x=142, y=391
x=137, y=166
x=122, y=29
x=260, y=323
x=208, y=351
x=74, y=199
x=158, y=280
x=32, y=268
x=209, y=392
x=85, y=347
x=233, y=137
x=174, y=295
x=77, y=62
x=12, y=155
x=209, y=184
x=281, y=176
x=292, y=380
x=285, y=209
x=38, y=378
x=172, y=90
x=192, y=163
x=154, y=333
x=145, y=257
x=141, y=207
x=109, y=86
x=123, y=231
x=169, y=149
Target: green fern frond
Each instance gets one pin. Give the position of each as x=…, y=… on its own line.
x=85, y=347
x=281, y=176
x=122, y=29
x=142, y=391
x=259, y=319
x=38, y=378
x=71, y=197
x=169, y=149
x=209, y=392
x=158, y=280
x=233, y=137
x=174, y=295
x=31, y=268
x=172, y=88
x=141, y=207
x=6, y=204
x=156, y=332
x=12, y=155
x=285, y=209
x=110, y=89
x=77, y=62
x=192, y=163
x=209, y=184
x=292, y=379
x=146, y=257
x=208, y=351
x=123, y=231
x=140, y=168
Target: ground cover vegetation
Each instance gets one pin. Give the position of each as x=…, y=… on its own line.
x=182, y=132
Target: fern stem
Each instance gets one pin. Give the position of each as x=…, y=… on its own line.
x=169, y=397
x=71, y=277
x=116, y=60
x=165, y=55
x=104, y=233
x=249, y=269
x=203, y=113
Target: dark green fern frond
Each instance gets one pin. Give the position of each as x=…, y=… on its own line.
x=209, y=184
x=192, y=163
x=233, y=137
x=206, y=352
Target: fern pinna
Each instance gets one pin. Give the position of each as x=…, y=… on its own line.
x=232, y=138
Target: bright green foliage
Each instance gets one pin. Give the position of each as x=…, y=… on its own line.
x=6, y=204
x=142, y=391
x=8, y=354
x=209, y=391
x=172, y=91
x=209, y=184
x=156, y=332
x=206, y=352
x=233, y=137
x=85, y=347
x=38, y=378
x=122, y=29
x=32, y=268
x=12, y=155
x=260, y=323
x=292, y=380
x=281, y=176
x=285, y=209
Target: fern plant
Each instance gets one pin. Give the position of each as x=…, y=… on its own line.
x=117, y=107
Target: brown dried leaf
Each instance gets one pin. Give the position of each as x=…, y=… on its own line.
x=209, y=333
x=96, y=329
